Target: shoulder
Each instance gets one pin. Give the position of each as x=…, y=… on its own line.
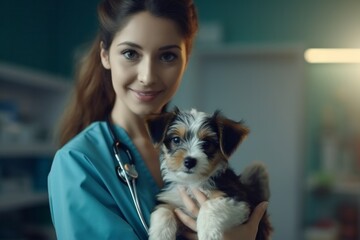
x=89, y=146
x=95, y=136
x=91, y=136
x=85, y=159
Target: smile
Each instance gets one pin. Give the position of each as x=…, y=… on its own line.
x=146, y=96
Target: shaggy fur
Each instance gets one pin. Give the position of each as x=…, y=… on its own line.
x=194, y=151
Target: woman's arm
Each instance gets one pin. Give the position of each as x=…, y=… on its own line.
x=245, y=231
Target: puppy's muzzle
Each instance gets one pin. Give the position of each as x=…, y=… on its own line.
x=190, y=162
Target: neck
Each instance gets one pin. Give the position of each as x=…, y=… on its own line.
x=134, y=126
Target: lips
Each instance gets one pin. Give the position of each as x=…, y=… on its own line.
x=146, y=96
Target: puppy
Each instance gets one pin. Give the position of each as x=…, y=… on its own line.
x=194, y=151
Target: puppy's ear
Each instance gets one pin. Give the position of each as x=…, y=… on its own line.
x=231, y=134
x=157, y=126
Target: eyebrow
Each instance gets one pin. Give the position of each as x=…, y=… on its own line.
x=134, y=45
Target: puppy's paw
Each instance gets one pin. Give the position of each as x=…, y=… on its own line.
x=163, y=225
x=218, y=215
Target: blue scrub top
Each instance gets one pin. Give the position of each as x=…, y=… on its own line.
x=87, y=199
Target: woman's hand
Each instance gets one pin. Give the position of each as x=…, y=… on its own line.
x=193, y=209
x=246, y=231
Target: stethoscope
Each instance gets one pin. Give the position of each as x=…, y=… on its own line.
x=126, y=171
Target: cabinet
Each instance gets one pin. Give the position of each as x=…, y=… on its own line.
x=31, y=104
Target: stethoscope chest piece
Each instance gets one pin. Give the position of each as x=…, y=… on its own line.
x=129, y=170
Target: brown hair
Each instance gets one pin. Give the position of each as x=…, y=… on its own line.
x=94, y=96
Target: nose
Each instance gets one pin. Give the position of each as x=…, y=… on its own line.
x=189, y=162
x=146, y=74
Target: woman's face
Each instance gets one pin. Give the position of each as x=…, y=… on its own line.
x=147, y=59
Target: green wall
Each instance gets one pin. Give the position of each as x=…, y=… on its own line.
x=45, y=34
x=321, y=23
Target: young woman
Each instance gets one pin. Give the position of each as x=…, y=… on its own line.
x=133, y=69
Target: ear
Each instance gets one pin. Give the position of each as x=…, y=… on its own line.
x=231, y=134
x=104, y=55
x=157, y=126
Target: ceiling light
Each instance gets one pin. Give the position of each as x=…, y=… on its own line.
x=332, y=55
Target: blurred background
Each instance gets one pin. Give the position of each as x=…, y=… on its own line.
x=248, y=61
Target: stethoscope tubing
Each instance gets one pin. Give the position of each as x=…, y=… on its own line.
x=133, y=192
x=127, y=176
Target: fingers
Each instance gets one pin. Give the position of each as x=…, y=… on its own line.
x=186, y=219
x=199, y=196
x=190, y=204
x=249, y=229
x=258, y=213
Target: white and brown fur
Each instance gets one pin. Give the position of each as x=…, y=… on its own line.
x=194, y=151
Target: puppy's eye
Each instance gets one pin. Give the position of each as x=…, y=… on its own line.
x=176, y=140
x=208, y=144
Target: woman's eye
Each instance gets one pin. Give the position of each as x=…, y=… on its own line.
x=168, y=57
x=130, y=54
x=176, y=140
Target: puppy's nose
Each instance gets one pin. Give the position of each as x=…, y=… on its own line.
x=189, y=162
